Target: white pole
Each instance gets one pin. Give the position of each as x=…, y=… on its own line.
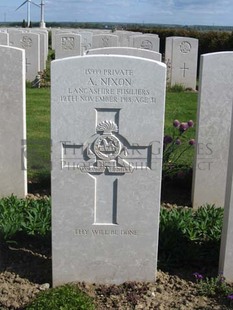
x=42, y=22
x=29, y=13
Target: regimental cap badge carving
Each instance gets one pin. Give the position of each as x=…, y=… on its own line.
x=107, y=127
x=107, y=146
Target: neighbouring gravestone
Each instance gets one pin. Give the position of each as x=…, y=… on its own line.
x=4, y=38
x=43, y=46
x=30, y=42
x=226, y=250
x=107, y=126
x=104, y=40
x=13, y=176
x=124, y=37
x=145, y=41
x=86, y=41
x=213, y=129
x=181, y=59
x=130, y=51
x=67, y=45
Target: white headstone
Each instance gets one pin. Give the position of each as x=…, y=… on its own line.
x=67, y=45
x=145, y=41
x=107, y=127
x=226, y=250
x=86, y=41
x=43, y=47
x=124, y=37
x=181, y=59
x=130, y=51
x=104, y=40
x=30, y=42
x=4, y=38
x=13, y=177
x=213, y=129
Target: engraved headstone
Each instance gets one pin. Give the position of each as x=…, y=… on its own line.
x=145, y=41
x=130, y=51
x=181, y=59
x=30, y=42
x=107, y=127
x=67, y=45
x=4, y=38
x=104, y=40
x=226, y=253
x=13, y=177
x=213, y=129
x=86, y=41
x=124, y=37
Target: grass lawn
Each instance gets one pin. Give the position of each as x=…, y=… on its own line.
x=38, y=133
x=181, y=106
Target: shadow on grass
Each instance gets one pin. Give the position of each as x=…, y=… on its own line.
x=29, y=257
x=181, y=256
x=40, y=184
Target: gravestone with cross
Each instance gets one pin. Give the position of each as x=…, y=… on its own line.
x=30, y=42
x=107, y=128
x=181, y=55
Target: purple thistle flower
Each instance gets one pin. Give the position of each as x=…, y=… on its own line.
x=176, y=123
x=183, y=127
x=190, y=123
x=178, y=142
x=192, y=142
x=230, y=296
x=198, y=276
x=167, y=139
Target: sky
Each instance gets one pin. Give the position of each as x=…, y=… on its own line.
x=181, y=12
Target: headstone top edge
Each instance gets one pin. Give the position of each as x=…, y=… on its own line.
x=68, y=59
x=12, y=48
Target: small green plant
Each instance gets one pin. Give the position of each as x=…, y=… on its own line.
x=66, y=297
x=175, y=145
x=189, y=237
x=214, y=287
x=29, y=216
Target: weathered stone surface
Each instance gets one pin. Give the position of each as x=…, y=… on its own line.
x=126, y=51
x=104, y=40
x=13, y=177
x=181, y=59
x=67, y=45
x=107, y=128
x=213, y=129
x=226, y=250
x=145, y=41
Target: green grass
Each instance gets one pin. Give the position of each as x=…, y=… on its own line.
x=181, y=106
x=38, y=132
x=66, y=297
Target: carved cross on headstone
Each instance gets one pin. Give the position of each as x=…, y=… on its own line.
x=27, y=64
x=106, y=156
x=184, y=69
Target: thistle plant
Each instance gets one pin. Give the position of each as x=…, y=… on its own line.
x=175, y=146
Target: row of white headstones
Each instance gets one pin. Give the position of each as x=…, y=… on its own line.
x=107, y=120
x=180, y=57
